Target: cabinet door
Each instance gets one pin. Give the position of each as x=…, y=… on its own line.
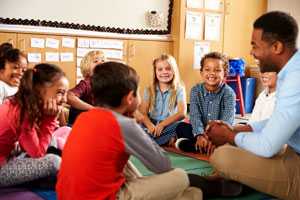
x=69, y=67
x=140, y=55
x=8, y=37
x=239, y=18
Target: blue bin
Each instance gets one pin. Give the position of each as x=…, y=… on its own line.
x=236, y=67
x=248, y=87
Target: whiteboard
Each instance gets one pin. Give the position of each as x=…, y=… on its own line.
x=124, y=14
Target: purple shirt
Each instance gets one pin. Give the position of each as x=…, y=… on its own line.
x=83, y=90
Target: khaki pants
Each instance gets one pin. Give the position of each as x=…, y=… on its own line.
x=278, y=176
x=172, y=185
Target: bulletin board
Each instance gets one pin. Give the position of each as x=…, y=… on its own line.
x=113, y=49
x=51, y=49
x=119, y=16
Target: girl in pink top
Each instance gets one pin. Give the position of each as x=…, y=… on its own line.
x=28, y=121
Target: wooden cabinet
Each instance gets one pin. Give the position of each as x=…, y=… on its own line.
x=8, y=37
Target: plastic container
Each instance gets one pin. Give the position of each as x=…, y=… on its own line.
x=248, y=87
x=236, y=67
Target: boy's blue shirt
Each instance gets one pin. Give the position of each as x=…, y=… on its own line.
x=206, y=106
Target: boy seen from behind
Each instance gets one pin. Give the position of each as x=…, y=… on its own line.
x=95, y=158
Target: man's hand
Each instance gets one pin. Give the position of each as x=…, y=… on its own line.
x=220, y=133
x=218, y=122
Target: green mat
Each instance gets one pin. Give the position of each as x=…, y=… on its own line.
x=199, y=167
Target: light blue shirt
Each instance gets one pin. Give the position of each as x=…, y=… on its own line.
x=161, y=108
x=283, y=127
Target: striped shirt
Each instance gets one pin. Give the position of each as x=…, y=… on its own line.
x=206, y=106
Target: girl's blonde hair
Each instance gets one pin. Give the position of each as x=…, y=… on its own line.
x=175, y=83
x=86, y=62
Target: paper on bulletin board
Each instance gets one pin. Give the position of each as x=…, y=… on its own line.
x=212, y=27
x=83, y=43
x=68, y=42
x=200, y=49
x=106, y=44
x=115, y=54
x=81, y=52
x=37, y=43
x=194, y=3
x=52, y=43
x=66, y=57
x=193, y=25
x=52, y=57
x=212, y=4
x=34, y=57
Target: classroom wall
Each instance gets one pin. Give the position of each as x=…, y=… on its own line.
x=113, y=13
x=236, y=27
x=290, y=6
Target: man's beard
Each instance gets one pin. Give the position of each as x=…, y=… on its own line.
x=264, y=67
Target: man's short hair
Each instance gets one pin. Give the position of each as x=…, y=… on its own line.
x=278, y=26
x=112, y=81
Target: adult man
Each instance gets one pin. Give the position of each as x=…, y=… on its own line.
x=260, y=159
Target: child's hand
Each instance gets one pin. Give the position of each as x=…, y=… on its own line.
x=138, y=116
x=51, y=108
x=204, y=145
x=158, y=129
x=151, y=128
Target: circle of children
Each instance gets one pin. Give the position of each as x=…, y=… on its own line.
x=91, y=159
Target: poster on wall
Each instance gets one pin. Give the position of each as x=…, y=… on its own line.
x=212, y=27
x=66, y=57
x=52, y=43
x=212, y=4
x=83, y=43
x=37, y=43
x=194, y=4
x=194, y=25
x=52, y=57
x=68, y=42
x=200, y=49
x=34, y=57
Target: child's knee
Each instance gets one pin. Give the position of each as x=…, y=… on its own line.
x=53, y=162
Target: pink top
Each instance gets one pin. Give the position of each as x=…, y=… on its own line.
x=33, y=140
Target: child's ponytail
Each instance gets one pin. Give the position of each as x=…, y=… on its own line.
x=28, y=98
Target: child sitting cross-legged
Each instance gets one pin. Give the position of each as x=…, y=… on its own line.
x=164, y=102
x=28, y=120
x=95, y=158
x=211, y=100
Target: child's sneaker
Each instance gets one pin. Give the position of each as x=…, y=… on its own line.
x=186, y=145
